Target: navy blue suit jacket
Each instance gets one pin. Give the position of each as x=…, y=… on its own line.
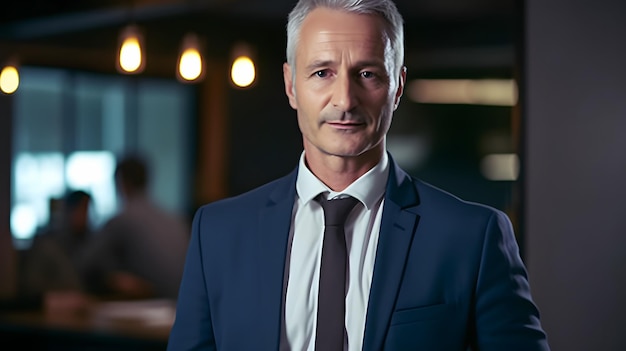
x=447, y=275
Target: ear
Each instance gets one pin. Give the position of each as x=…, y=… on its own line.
x=289, y=88
x=401, y=83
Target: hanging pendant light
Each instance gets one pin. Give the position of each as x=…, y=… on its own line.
x=242, y=71
x=130, y=56
x=191, y=66
x=9, y=78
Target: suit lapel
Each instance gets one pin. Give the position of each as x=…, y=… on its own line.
x=273, y=234
x=398, y=226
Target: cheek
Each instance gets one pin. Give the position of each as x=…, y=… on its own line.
x=305, y=122
x=385, y=118
x=380, y=105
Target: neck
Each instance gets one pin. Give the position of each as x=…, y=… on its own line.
x=338, y=172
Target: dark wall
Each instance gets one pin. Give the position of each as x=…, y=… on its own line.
x=576, y=169
x=265, y=142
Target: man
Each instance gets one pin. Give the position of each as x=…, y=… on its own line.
x=139, y=252
x=426, y=270
x=53, y=262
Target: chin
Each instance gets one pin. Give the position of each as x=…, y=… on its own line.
x=349, y=152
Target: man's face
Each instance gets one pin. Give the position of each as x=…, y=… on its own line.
x=345, y=89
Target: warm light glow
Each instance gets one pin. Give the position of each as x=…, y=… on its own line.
x=494, y=92
x=190, y=61
x=9, y=79
x=500, y=167
x=130, y=55
x=242, y=72
x=190, y=66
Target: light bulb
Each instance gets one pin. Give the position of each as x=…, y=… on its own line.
x=9, y=79
x=190, y=64
x=130, y=58
x=243, y=72
x=190, y=61
x=130, y=55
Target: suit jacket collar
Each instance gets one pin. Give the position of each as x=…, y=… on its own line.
x=274, y=222
x=397, y=228
x=396, y=233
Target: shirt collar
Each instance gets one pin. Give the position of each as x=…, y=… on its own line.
x=368, y=188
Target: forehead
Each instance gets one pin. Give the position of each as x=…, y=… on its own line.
x=325, y=30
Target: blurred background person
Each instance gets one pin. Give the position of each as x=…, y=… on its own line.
x=140, y=251
x=51, y=268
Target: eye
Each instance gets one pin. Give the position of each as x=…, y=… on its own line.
x=321, y=74
x=367, y=74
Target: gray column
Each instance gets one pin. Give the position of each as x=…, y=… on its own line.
x=575, y=169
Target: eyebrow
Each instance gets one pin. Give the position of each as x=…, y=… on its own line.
x=317, y=64
x=324, y=63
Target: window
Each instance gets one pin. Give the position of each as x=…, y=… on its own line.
x=69, y=127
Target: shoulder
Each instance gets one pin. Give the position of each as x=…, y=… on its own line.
x=238, y=223
x=444, y=210
x=436, y=197
x=428, y=200
x=278, y=190
x=467, y=228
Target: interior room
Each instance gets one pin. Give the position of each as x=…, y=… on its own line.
x=510, y=103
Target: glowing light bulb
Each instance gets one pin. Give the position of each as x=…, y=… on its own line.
x=9, y=79
x=243, y=72
x=190, y=66
x=190, y=61
x=130, y=55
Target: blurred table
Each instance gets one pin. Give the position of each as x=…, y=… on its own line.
x=116, y=325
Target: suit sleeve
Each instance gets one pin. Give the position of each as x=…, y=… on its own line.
x=506, y=318
x=193, y=328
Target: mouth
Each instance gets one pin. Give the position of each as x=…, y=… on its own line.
x=345, y=125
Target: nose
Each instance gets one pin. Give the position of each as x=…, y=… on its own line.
x=344, y=93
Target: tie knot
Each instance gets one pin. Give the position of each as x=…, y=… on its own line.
x=336, y=210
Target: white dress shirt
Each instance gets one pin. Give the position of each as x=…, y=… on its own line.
x=306, y=238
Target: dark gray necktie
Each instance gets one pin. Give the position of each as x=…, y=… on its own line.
x=332, y=299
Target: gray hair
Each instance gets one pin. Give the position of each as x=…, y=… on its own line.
x=385, y=8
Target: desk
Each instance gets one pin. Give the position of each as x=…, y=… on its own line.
x=136, y=325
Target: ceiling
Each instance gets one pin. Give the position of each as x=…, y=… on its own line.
x=439, y=33
x=272, y=9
